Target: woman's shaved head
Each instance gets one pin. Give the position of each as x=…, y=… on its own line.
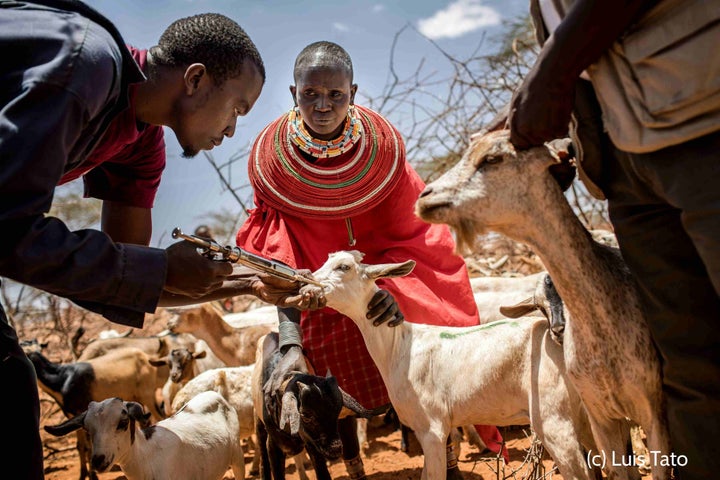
x=323, y=55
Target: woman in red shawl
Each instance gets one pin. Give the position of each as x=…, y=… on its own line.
x=330, y=175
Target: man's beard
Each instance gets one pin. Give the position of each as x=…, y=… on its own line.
x=189, y=152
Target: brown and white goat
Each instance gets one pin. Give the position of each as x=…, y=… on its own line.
x=234, y=346
x=609, y=353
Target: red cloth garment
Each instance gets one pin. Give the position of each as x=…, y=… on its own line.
x=493, y=440
x=437, y=291
x=358, y=181
x=385, y=229
x=127, y=163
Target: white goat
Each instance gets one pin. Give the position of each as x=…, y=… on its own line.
x=199, y=442
x=609, y=353
x=235, y=384
x=518, y=376
x=265, y=315
x=123, y=371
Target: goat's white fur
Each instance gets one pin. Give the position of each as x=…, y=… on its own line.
x=493, y=292
x=235, y=384
x=517, y=376
x=200, y=441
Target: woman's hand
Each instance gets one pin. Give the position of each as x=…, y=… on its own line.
x=383, y=308
x=286, y=293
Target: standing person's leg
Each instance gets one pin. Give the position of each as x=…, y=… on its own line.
x=21, y=458
x=665, y=208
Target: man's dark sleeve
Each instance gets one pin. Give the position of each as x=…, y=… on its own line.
x=44, y=112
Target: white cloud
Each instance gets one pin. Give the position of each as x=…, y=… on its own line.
x=459, y=18
x=340, y=27
x=377, y=8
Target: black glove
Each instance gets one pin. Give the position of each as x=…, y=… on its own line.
x=383, y=308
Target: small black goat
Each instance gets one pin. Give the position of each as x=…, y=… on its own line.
x=303, y=414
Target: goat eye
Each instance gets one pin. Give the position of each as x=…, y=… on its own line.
x=123, y=424
x=493, y=159
x=343, y=267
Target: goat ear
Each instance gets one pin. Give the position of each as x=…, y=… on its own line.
x=561, y=149
x=563, y=168
x=519, y=309
x=137, y=412
x=158, y=362
x=289, y=414
x=389, y=270
x=200, y=354
x=69, y=425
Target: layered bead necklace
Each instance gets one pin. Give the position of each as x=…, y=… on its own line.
x=299, y=135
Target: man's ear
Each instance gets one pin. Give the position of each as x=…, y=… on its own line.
x=353, y=91
x=194, y=74
x=293, y=91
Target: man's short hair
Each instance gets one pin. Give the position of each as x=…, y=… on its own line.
x=323, y=54
x=212, y=39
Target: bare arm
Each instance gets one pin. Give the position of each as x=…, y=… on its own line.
x=126, y=224
x=245, y=281
x=542, y=105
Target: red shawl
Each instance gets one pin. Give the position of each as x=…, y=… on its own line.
x=386, y=230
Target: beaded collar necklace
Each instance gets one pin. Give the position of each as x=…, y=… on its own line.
x=299, y=135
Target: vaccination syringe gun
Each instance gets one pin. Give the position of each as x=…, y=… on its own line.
x=212, y=249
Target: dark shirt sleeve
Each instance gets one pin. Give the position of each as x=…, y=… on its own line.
x=45, y=113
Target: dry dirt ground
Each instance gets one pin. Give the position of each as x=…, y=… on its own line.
x=383, y=458
x=383, y=461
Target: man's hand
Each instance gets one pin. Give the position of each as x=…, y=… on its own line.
x=292, y=360
x=192, y=275
x=383, y=308
x=540, y=109
x=286, y=293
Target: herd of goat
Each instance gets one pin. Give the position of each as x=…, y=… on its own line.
x=566, y=351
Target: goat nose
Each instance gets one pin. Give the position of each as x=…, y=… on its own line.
x=99, y=463
x=426, y=192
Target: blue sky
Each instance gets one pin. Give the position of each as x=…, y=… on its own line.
x=281, y=28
